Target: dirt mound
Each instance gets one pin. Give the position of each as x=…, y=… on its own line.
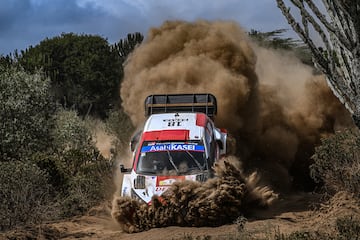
x=218, y=201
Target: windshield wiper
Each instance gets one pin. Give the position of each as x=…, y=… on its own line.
x=195, y=160
x=172, y=161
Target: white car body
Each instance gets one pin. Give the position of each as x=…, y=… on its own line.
x=172, y=147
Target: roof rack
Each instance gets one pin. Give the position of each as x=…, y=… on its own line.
x=169, y=103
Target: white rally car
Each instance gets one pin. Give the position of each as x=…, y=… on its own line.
x=180, y=144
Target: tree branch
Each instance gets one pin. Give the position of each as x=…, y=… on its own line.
x=319, y=57
x=339, y=63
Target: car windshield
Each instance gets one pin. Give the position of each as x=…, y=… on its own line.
x=171, y=158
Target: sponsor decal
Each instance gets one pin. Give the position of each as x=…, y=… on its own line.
x=168, y=180
x=174, y=122
x=173, y=147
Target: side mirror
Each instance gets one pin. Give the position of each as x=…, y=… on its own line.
x=124, y=170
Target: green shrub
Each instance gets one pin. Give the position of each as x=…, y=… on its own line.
x=24, y=194
x=52, y=164
x=91, y=185
x=70, y=132
x=87, y=175
x=26, y=108
x=77, y=188
x=337, y=162
x=119, y=125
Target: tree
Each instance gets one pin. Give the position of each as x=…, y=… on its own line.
x=339, y=55
x=5, y=61
x=125, y=46
x=275, y=40
x=85, y=71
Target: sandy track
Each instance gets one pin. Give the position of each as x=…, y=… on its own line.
x=295, y=212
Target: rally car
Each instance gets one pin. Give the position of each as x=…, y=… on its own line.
x=179, y=141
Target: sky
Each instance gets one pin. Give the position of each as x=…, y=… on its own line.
x=28, y=22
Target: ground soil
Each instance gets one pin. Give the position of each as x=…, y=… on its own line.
x=293, y=212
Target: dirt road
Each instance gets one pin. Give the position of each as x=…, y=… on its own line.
x=305, y=212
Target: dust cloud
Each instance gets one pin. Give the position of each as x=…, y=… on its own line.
x=273, y=105
x=201, y=57
x=297, y=108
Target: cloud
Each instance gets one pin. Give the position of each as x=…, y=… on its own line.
x=27, y=22
x=9, y=10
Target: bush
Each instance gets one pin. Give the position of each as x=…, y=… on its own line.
x=337, y=162
x=25, y=111
x=88, y=188
x=70, y=132
x=72, y=142
x=61, y=172
x=85, y=174
x=53, y=165
x=24, y=194
x=119, y=125
x=91, y=184
x=79, y=187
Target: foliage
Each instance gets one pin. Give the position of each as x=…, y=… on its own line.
x=61, y=173
x=24, y=194
x=84, y=174
x=25, y=113
x=275, y=40
x=85, y=71
x=91, y=185
x=70, y=132
x=81, y=177
x=334, y=46
x=337, y=162
x=119, y=125
x=53, y=164
x=125, y=46
x=5, y=61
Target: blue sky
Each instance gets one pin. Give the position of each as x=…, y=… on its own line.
x=27, y=22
